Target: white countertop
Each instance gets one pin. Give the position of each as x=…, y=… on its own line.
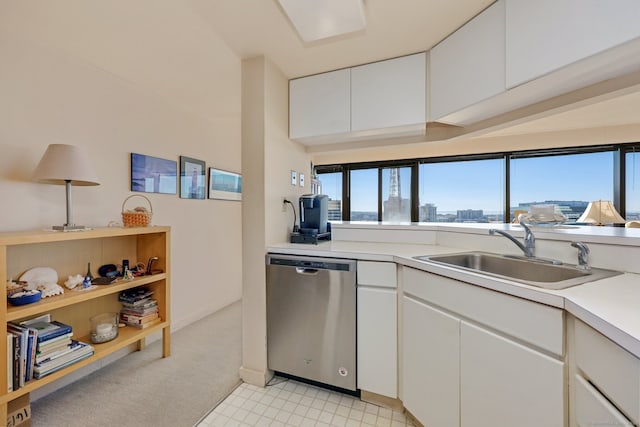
x=610, y=305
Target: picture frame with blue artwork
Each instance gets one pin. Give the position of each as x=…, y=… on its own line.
x=193, y=178
x=225, y=185
x=153, y=174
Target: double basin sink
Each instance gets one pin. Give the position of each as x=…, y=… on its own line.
x=530, y=271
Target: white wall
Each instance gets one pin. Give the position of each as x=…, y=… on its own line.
x=120, y=77
x=268, y=156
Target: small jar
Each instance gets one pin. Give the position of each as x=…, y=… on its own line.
x=104, y=327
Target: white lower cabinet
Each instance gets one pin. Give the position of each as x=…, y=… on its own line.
x=503, y=383
x=377, y=328
x=592, y=409
x=605, y=380
x=473, y=357
x=377, y=338
x=431, y=364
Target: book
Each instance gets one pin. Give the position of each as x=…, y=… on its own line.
x=58, y=345
x=130, y=319
x=55, y=341
x=9, y=362
x=80, y=351
x=31, y=353
x=23, y=335
x=140, y=305
x=16, y=361
x=145, y=325
x=50, y=330
x=133, y=296
x=42, y=360
x=41, y=374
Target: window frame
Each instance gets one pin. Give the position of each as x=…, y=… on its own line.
x=619, y=171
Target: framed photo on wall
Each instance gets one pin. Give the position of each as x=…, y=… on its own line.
x=153, y=174
x=225, y=185
x=193, y=178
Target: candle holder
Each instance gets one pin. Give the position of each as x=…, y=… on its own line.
x=104, y=327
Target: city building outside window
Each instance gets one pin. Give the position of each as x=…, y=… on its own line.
x=462, y=191
x=568, y=181
x=331, y=185
x=396, y=194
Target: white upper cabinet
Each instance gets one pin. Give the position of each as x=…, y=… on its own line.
x=389, y=94
x=320, y=104
x=382, y=99
x=545, y=35
x=469, y=65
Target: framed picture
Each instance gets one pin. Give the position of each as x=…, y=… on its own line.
x=153, y=174
x=193, y=178
x=224, y=185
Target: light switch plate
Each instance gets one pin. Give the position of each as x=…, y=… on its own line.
x=294, y=179
x=301, y=179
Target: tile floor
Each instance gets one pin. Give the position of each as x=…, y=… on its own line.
x=291, y=403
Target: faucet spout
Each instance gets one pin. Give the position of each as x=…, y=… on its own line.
x=528, y=248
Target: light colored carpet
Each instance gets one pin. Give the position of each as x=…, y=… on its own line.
x=143, y=389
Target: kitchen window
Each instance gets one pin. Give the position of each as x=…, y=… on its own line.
x=462, y=191
x=568, y=181
x=489, y=187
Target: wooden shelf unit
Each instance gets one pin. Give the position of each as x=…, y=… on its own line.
x=68, y=253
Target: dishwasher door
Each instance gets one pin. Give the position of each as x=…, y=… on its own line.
x=311, y=318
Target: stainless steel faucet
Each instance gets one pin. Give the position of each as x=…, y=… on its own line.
x=583, y=255
x=529, y=246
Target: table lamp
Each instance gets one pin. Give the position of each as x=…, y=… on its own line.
x=600, y=212
x=68, y=165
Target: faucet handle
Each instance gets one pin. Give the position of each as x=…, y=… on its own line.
x=581, y=246
x=583, y=255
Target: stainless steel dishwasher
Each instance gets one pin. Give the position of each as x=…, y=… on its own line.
x=311, y=318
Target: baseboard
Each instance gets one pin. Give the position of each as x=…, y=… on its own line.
x=380, y=400
x=255, y=377
x=413, y=419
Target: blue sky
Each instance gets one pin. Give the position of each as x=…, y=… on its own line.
x=479, y=184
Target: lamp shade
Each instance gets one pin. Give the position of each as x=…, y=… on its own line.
x=601, y=212
x=63, y=163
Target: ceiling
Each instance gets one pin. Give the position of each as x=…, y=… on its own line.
x=394, y=28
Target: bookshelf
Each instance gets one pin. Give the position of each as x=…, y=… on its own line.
x=68, y=253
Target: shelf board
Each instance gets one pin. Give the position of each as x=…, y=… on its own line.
x=126, y=336
x=71, y=297
x=44, y=236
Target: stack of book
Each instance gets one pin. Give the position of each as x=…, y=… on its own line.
x=55, y=348
x=138, y=309
x=39, y=347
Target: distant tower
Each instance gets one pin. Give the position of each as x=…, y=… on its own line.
x=394, y=204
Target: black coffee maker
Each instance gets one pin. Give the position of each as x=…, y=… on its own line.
x=313, y=219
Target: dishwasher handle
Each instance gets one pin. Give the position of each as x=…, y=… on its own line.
x=307, y=271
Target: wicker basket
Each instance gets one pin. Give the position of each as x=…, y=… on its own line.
x=14, y=286
x=139, y=217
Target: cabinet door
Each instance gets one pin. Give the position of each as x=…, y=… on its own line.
x=506, y=384
x=468, y=66
x=389, y=93
x=431, y=364
x=378, y=341
x=592, y=409
x=545, y=35
x=320, y=105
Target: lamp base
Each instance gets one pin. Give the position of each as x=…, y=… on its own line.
x=68, y=227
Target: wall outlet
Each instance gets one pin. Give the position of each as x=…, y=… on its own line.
x=294, y=178
x=284, y=205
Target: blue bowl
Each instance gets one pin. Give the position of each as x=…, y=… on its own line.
x=24, y=299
